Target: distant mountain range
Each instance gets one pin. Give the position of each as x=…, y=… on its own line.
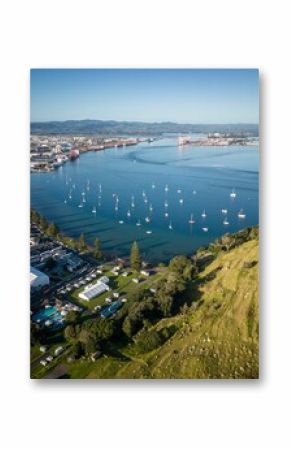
x=124, y=128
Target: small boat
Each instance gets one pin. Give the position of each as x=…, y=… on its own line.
x=226, y=222
x=204, y=229
x=148, y=232
x=121, y=222
x=233, y=194
x=191, y=220
x=153, y=185
x=70, y=197
x=165, y=203
x=166, y=188
x=100, y=188
x=178, y=190
x=83, y=192
x=181, y=201
x=65, y=201
x=151, y=208
x=203, y=214
x=166, y=215
x=224, y=211
x=147, y=219
x=138, y=223
x=145, y=200
x=143, y=194
x=194, y=192
x=170, y=226
x=94, y=210
x=128, y=214
x=241, y=214
x=84, y=200
x=80, y=205
x=116, y=208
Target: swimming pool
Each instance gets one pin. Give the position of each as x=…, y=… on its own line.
x=108, y=311
x=49, y=313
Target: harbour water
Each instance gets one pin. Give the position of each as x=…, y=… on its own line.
x=129, y=184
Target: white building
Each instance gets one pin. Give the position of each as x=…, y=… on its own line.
x=38, y=278
x=94, y=290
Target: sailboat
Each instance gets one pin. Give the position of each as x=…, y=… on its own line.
x=146, y=200
x=138, y=223
x=204, y=229
x=203, y=214
x=166, y=188
x=191, y=220
x=100, y=188
x=80, y=205
x=224, y=211
x=233, y=194
x=153, y=185
x=226, y=222
x=65, y=201
x=128, y=214
x=94, y=210
x=132, y=201
x=170, y=226
x=143, y=194
x=166, y=215
x=181, y=201
x=121, y=222
x=147, y=219
x=165, y=203
x=116, y=208
x=70, y=196
x=178, y=190
x=148, y=232
x=241, y=214
x=194, y=192
x=151, y=208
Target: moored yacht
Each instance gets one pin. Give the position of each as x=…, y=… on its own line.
x=241, y=214
x=191, y=220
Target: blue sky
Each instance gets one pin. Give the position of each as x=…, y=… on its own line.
x=178, y=95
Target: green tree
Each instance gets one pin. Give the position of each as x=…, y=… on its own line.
x=43, y=223
x=52, y=230
x=70, y=332
x=97, y=251
x=77, y=350
x=71, y=316
x=135, y=258
x=90, y=346
x=82, y=243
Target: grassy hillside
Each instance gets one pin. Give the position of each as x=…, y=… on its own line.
x=215, y=337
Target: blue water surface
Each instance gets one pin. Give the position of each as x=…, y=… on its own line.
x=205, y=177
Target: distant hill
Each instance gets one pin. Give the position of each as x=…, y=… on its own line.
x=111, y=127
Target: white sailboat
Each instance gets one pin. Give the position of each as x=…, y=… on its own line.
x=241, y=214
x=166, y=188
x=233, y=194
x=153, y=185
x=203, y=214
x=94, y=210
x=165, y=203
x=146, y=200
x=170, y=226
x=224, y=211
x=147, y=219
x=179, y=191
x=129, y=214
x=151, y=208
x=121, y=222
x=181, y=201
x=205, y=229
x=148, y=232
x=138, y=223
x=191, y=220
x=166, y=215
x=226, y=222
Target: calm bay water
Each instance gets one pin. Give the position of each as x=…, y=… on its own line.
x=204, y=175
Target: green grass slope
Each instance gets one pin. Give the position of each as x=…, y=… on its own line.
x=216, y=338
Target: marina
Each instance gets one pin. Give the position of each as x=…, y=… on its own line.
x=187, y=196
